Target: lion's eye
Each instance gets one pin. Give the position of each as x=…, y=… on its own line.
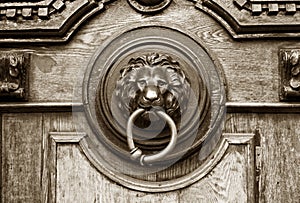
x=142, y=82
x=161, y=83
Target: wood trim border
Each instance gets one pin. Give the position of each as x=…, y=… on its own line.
x=245, y=140
x=273, y=108
x=232, y=107
x=40, y=107
x=49, y=169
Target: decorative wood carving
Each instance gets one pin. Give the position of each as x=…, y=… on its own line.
x=290, y=74
x=257, y=7
x=56, y=19
x=255, y=18
x=10, y=10
x=13, y=76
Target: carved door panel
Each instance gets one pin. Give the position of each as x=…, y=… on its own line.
x=149, y=101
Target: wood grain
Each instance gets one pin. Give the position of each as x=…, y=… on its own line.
x=279, y=173
x=226, y=182
x=251, y=72
x=21, y=157
x=78, y=181
x=53, y=122
x=250, y=67
x=53, y=74
x=57, y=122
x=280, y=146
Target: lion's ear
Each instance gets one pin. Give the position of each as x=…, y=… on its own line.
x=125, y=70
x=182, y=73
x=122, y=71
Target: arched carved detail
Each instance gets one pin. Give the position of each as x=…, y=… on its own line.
x=56, y=19
x=255, y=19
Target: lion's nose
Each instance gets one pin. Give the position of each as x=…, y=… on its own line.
x=151, y=94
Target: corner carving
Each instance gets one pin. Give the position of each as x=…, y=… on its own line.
x=42, y=9
x=269, y=7
x=290, y=74
x=13, y=76
x=56, y=19
x=255, y=18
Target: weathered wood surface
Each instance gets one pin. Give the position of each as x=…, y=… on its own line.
x=255, y=19
x=24, y=147
x=226, y=183
x=24, y=175
x=251, y=73
x=280, y=146
x=52, y=122
x=21, y=158
x=250, y=67
x=78, y=181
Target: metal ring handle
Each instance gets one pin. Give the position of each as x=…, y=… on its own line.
x=136, y=153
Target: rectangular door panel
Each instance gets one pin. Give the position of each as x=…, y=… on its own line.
x=21, y=145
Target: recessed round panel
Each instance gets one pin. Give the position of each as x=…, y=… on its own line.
x=172, y=78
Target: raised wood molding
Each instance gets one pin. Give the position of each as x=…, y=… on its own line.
x=47, y=21
x=232, y=107
x=262, y=107
x=34, y=107
x=246, y=141
x=44, y=20
x=258, y=7
x=254, y=19
x=49, y=170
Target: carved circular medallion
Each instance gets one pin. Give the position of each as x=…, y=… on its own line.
x=153, y=99
x=149, y=6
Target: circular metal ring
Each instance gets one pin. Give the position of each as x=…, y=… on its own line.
x=137, y=153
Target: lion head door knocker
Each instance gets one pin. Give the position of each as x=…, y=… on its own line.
x=153, y=89
x=153, y=99
x=151, y=102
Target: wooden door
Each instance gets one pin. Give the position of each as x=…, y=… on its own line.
x=249, y=67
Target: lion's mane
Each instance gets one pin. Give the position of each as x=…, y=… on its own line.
x=176, y=97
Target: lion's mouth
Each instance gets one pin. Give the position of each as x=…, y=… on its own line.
x=151, y=105
x=149, y=116
x=147, y=107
